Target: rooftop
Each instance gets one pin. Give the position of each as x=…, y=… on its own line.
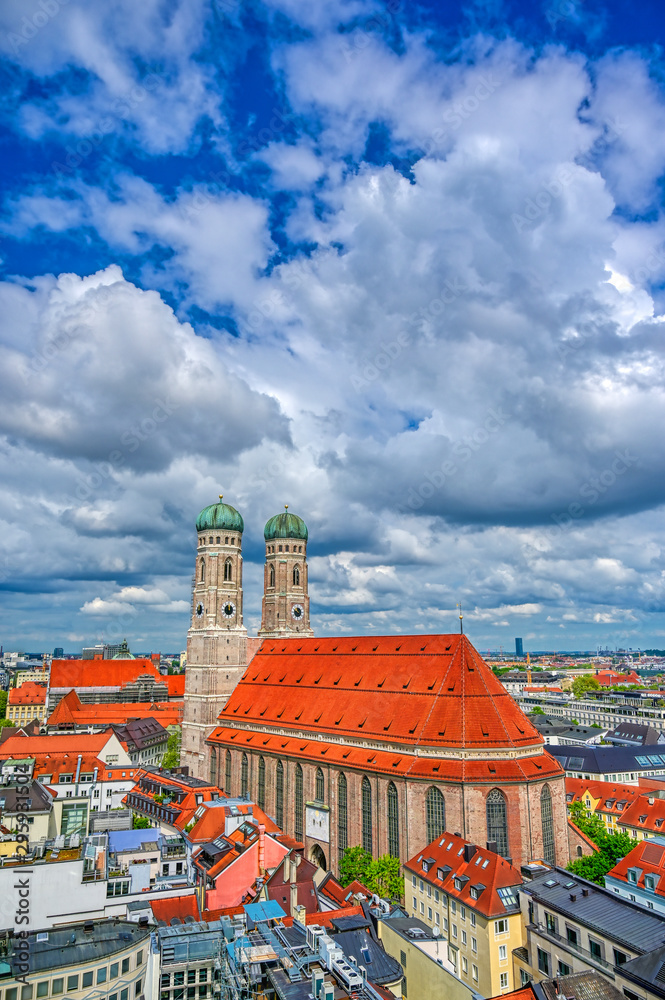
x=71, y=944
x=598, y=908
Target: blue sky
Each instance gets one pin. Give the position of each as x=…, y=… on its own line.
x=399, y=266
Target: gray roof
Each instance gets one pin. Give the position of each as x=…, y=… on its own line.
x=603, y=759
x=583, y=986
x=601, y=910
x=649, y=970
x=381, y=967
x=72, y=945
x=38, y=799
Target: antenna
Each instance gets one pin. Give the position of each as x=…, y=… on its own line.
x=461, y=617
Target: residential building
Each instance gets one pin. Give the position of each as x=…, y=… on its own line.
x=26, y=808
x=622, y=764
x=468, y=895
x=640, y=875
x=26, y=702
x=170, y=798
x=106, y=958
x=137, y=680
x=73, y=715
x=428, y=965
x=40, y=675
x=573, y=925
x=146, y=740
x=636, y=735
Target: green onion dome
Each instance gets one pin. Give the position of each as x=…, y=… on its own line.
x=285, y=525
x=220, y=516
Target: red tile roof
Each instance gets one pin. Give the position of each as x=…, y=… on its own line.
x=71, y=712
x=538, y=766
x=175, y=684
x=29, y=693
x=178, y=906
x=432, y=690
x=649, y=858
x=99, y=673
x=445, y=857
x=71, y=743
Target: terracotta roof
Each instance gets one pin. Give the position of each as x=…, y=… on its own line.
x=324, y=918
x=28, y=693
x=175, y=684
x=213, y=821
x=99, y=673
x=278, y=887
x=71, y=712
x=395, y=761
x=444, y=860
x=431, y=690
x=340, y=894
x=178, y=906
x=71, y=743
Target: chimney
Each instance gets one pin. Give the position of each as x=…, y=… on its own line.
x=491, y=846
x=294, y=899
x=262, y=849
x=300, y=915
x=469, y=851
x=292, y=869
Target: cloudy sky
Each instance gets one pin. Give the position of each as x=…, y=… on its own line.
x=401, y=269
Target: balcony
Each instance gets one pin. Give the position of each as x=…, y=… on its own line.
x=575, y=949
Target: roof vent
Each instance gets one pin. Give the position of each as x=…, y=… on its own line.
x=573, y=897
x=585, y=892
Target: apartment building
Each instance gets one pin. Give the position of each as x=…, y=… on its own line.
x=468, y=895
x=26, y=702
x=573, y=925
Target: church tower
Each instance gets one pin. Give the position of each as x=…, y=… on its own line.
x=285, y=609
x=217, y=638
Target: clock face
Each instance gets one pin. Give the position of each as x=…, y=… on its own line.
x=297, y=611
x=199, y=611
x=229, y=609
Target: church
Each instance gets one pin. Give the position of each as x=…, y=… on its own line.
x=380, y=741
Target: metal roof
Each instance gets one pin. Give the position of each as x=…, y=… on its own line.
x=601, y=910
x=72, y=945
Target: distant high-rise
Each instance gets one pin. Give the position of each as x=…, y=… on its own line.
x=58, y=653
x=519, y=648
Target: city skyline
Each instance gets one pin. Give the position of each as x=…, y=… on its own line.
x=401, y=269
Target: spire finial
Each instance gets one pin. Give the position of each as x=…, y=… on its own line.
x=221, y=496
x=461, y=617
x=286, y=506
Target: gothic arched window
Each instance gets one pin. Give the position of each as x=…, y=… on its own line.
x=342, y=828
x=296, y=576
x=262, y=784
x=298, y=818
x=279, y=795
x=203, y=570
x=272, y=576
x=393, y=821
x=213, y=766
x=320, y=786
x=227, y=773
x=497, y=822
x=228, y=570
x=244, y=777
x=436, y=814
x=367, y=815
x=547, y=823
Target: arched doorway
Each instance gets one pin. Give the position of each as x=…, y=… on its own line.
x=317, y=856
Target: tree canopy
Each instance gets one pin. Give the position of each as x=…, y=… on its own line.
x=382, y=876
x=611, y=846
x=581, y=685
x=172, y=756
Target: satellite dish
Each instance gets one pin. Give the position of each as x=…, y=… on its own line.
x=436, y=931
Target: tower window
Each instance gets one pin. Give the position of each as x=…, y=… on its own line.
x=280, y=548
x=393, y=821
x=244, y=777
x=279, y=795
x=226, y=541
x=210, y=540
x=342, y=831
x=547, y=822
x=497, y=823
x=296, y=576
x=436, y=814
x=203, y=571
x=367, y=815
x=286, y=548
x=320, y=786
x=218, y=540
x=262, y=783
x=272, y=576
x=227, y=773
x=228, y=570
x=298, y=817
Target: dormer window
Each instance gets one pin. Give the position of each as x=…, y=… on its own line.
x=632, y=876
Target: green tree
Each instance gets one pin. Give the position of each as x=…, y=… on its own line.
x=611, y=846
x=386, y=878
x=172, y=756
x=140, y=822
x=6, y=722
x=3, y=704
x=583, y=684
x=382, y=876
x=537, y=710
x=355, y=863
